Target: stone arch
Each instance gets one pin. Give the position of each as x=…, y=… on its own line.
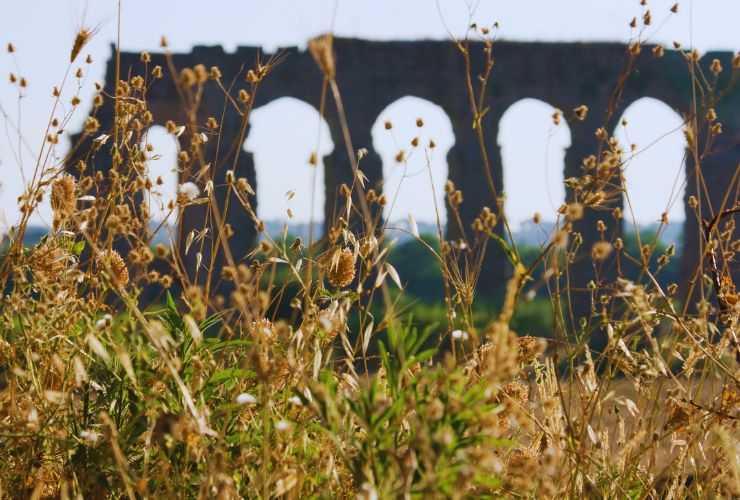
x=654, y=166
x=413, y=182
x=162, y=170
x=564, y=74
x=533, y=151
x=283, y=156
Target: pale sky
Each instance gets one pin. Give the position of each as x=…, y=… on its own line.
x=42, y=32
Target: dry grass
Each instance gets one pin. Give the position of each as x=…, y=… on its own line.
x=208, y=396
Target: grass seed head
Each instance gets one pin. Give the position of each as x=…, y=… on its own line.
x=342, y=268
x=322, y=51
x=63, y=198
x=81, y=39
x=716, y=67
x=601, y=250
x=581, y=112
x=117, y=267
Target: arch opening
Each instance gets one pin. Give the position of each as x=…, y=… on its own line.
x=161, y=164
x=533, y=155
x=414, y=171
x=649, y=131
x=284, y=136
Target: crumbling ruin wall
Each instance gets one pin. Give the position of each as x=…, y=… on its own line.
x=372, y=74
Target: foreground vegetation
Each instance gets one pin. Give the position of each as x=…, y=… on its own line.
x=315, y=376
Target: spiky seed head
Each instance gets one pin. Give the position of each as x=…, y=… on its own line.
x=529, y=348
x=556, y=116
x=716, y=67
x=188, y=77
x=63, y=196
x=118, y=269
x=647, y=18
x=83, y=36
x=342, y=268
x=574, y=211
x=201, y=73
x=601, y=250
x=322, y=51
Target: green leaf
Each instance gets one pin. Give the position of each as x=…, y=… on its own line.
x=78, y=247
x=211, y=320
x=510, y=254
x=171, y=303
x=228, y=374
x=488, y=481
x=216, y=346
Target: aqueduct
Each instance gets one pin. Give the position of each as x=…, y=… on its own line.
x=374, y=74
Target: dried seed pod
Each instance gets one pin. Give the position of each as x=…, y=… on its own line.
x=118, y=269
x=188, y=77
x=92, y=125
x=322, y=50
x=601, y=250
x=342, y=268
x=647, y=18
x=716, y=67
x=83, y=36
x=581, y=112
x=63, y=198
x=574, y=211
x=556, y=116
x=201, y=73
